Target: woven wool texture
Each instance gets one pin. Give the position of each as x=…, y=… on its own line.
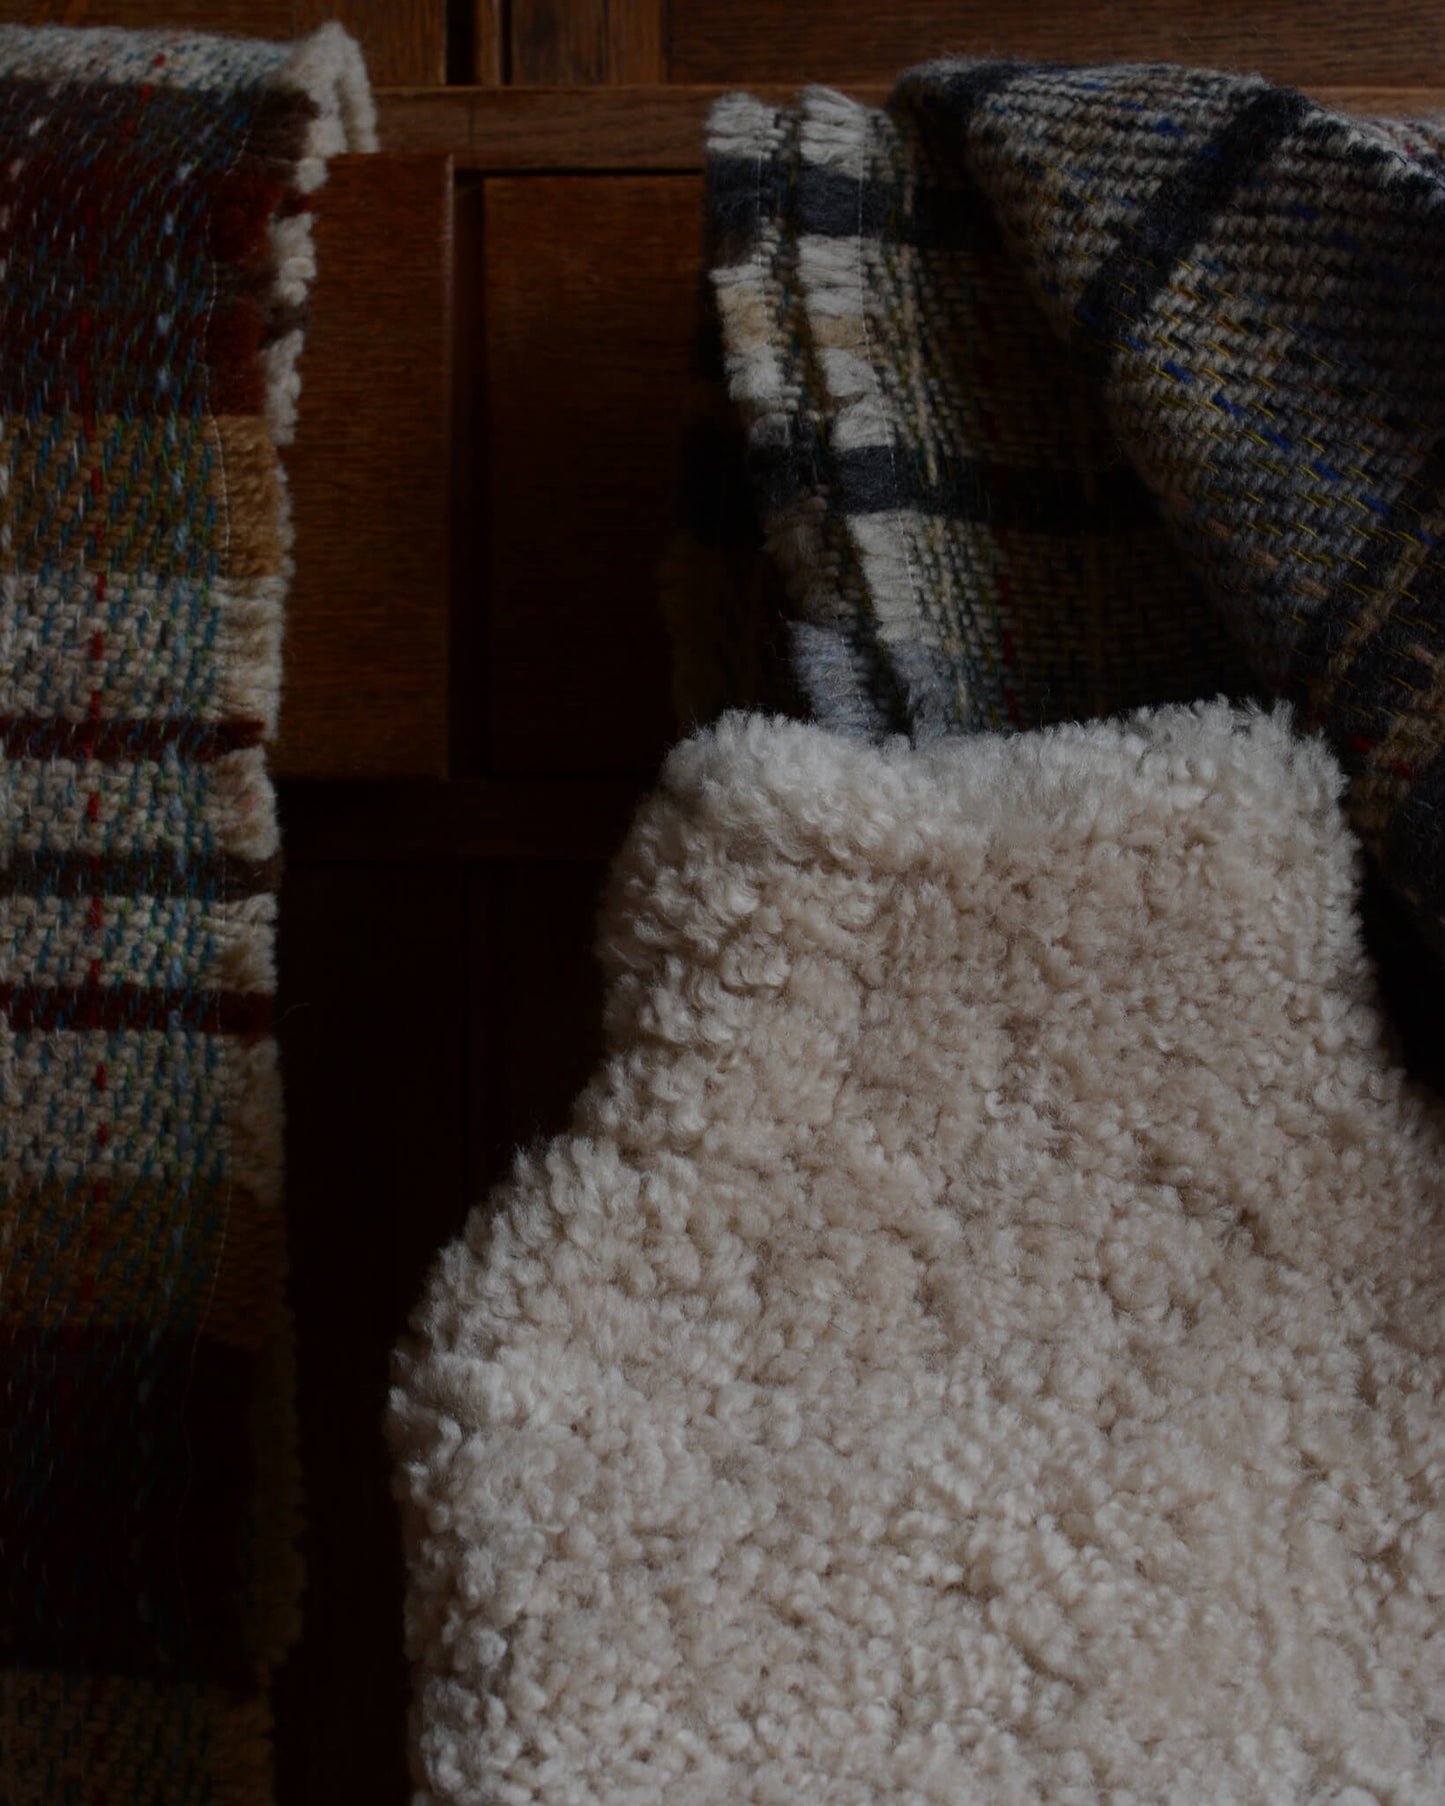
x=1070, y=390
x=982, y=1337
x=155, y=248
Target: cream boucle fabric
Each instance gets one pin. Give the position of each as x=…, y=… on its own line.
x=981, y=1340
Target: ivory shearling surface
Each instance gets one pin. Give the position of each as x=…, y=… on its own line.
x=981, y=1337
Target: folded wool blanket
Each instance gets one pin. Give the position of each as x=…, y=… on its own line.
x=155, y=257
x=1066, y=391
x=982, y=1337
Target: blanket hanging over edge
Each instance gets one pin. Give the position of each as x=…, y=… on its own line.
x=1072, y=390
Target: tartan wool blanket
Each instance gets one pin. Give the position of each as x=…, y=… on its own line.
x=1068, y=390
x=154, y=261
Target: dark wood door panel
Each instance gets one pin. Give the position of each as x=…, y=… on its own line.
x=368, y=616
x=569, y=42
x=590, y=309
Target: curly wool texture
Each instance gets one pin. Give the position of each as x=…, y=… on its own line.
x=981, y=1340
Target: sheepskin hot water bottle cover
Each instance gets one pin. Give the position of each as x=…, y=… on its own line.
x=980, y=1339
x=983, y=1336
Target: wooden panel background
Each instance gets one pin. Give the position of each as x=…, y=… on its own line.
x=556, y=42
x=369, y=618
x=477, y=677
x=1398, y=43
x=589, y=298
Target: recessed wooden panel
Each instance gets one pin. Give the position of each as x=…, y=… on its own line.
x=404, y=40
x=817, y=40
x=591, y=307
x=374, y=1051
x=567, y=42
x=365, y=690
x=487, y=48
x=468, y=537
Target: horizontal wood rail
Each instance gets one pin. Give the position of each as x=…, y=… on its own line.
x=656, y=128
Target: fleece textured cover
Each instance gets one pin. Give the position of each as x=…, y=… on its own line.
x=981, y=1338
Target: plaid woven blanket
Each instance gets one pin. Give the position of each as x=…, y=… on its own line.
x=155, y=252
x=1066, y=390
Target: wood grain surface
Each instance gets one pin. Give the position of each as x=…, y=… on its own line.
x=1399, y=43
x=468, y=480
x=561, y=42
x=484, y=46
x=590, y=294
x=368, y=618
x=757, y=41
x=405, y=41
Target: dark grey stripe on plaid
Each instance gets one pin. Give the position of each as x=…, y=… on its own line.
x=137, y=875
x=127, y=740
x=872, y=481
x=950, y=103
x=824, y=202
x=1126, y=283
x=869, y=480
x=829, y=203
x=846, y=675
